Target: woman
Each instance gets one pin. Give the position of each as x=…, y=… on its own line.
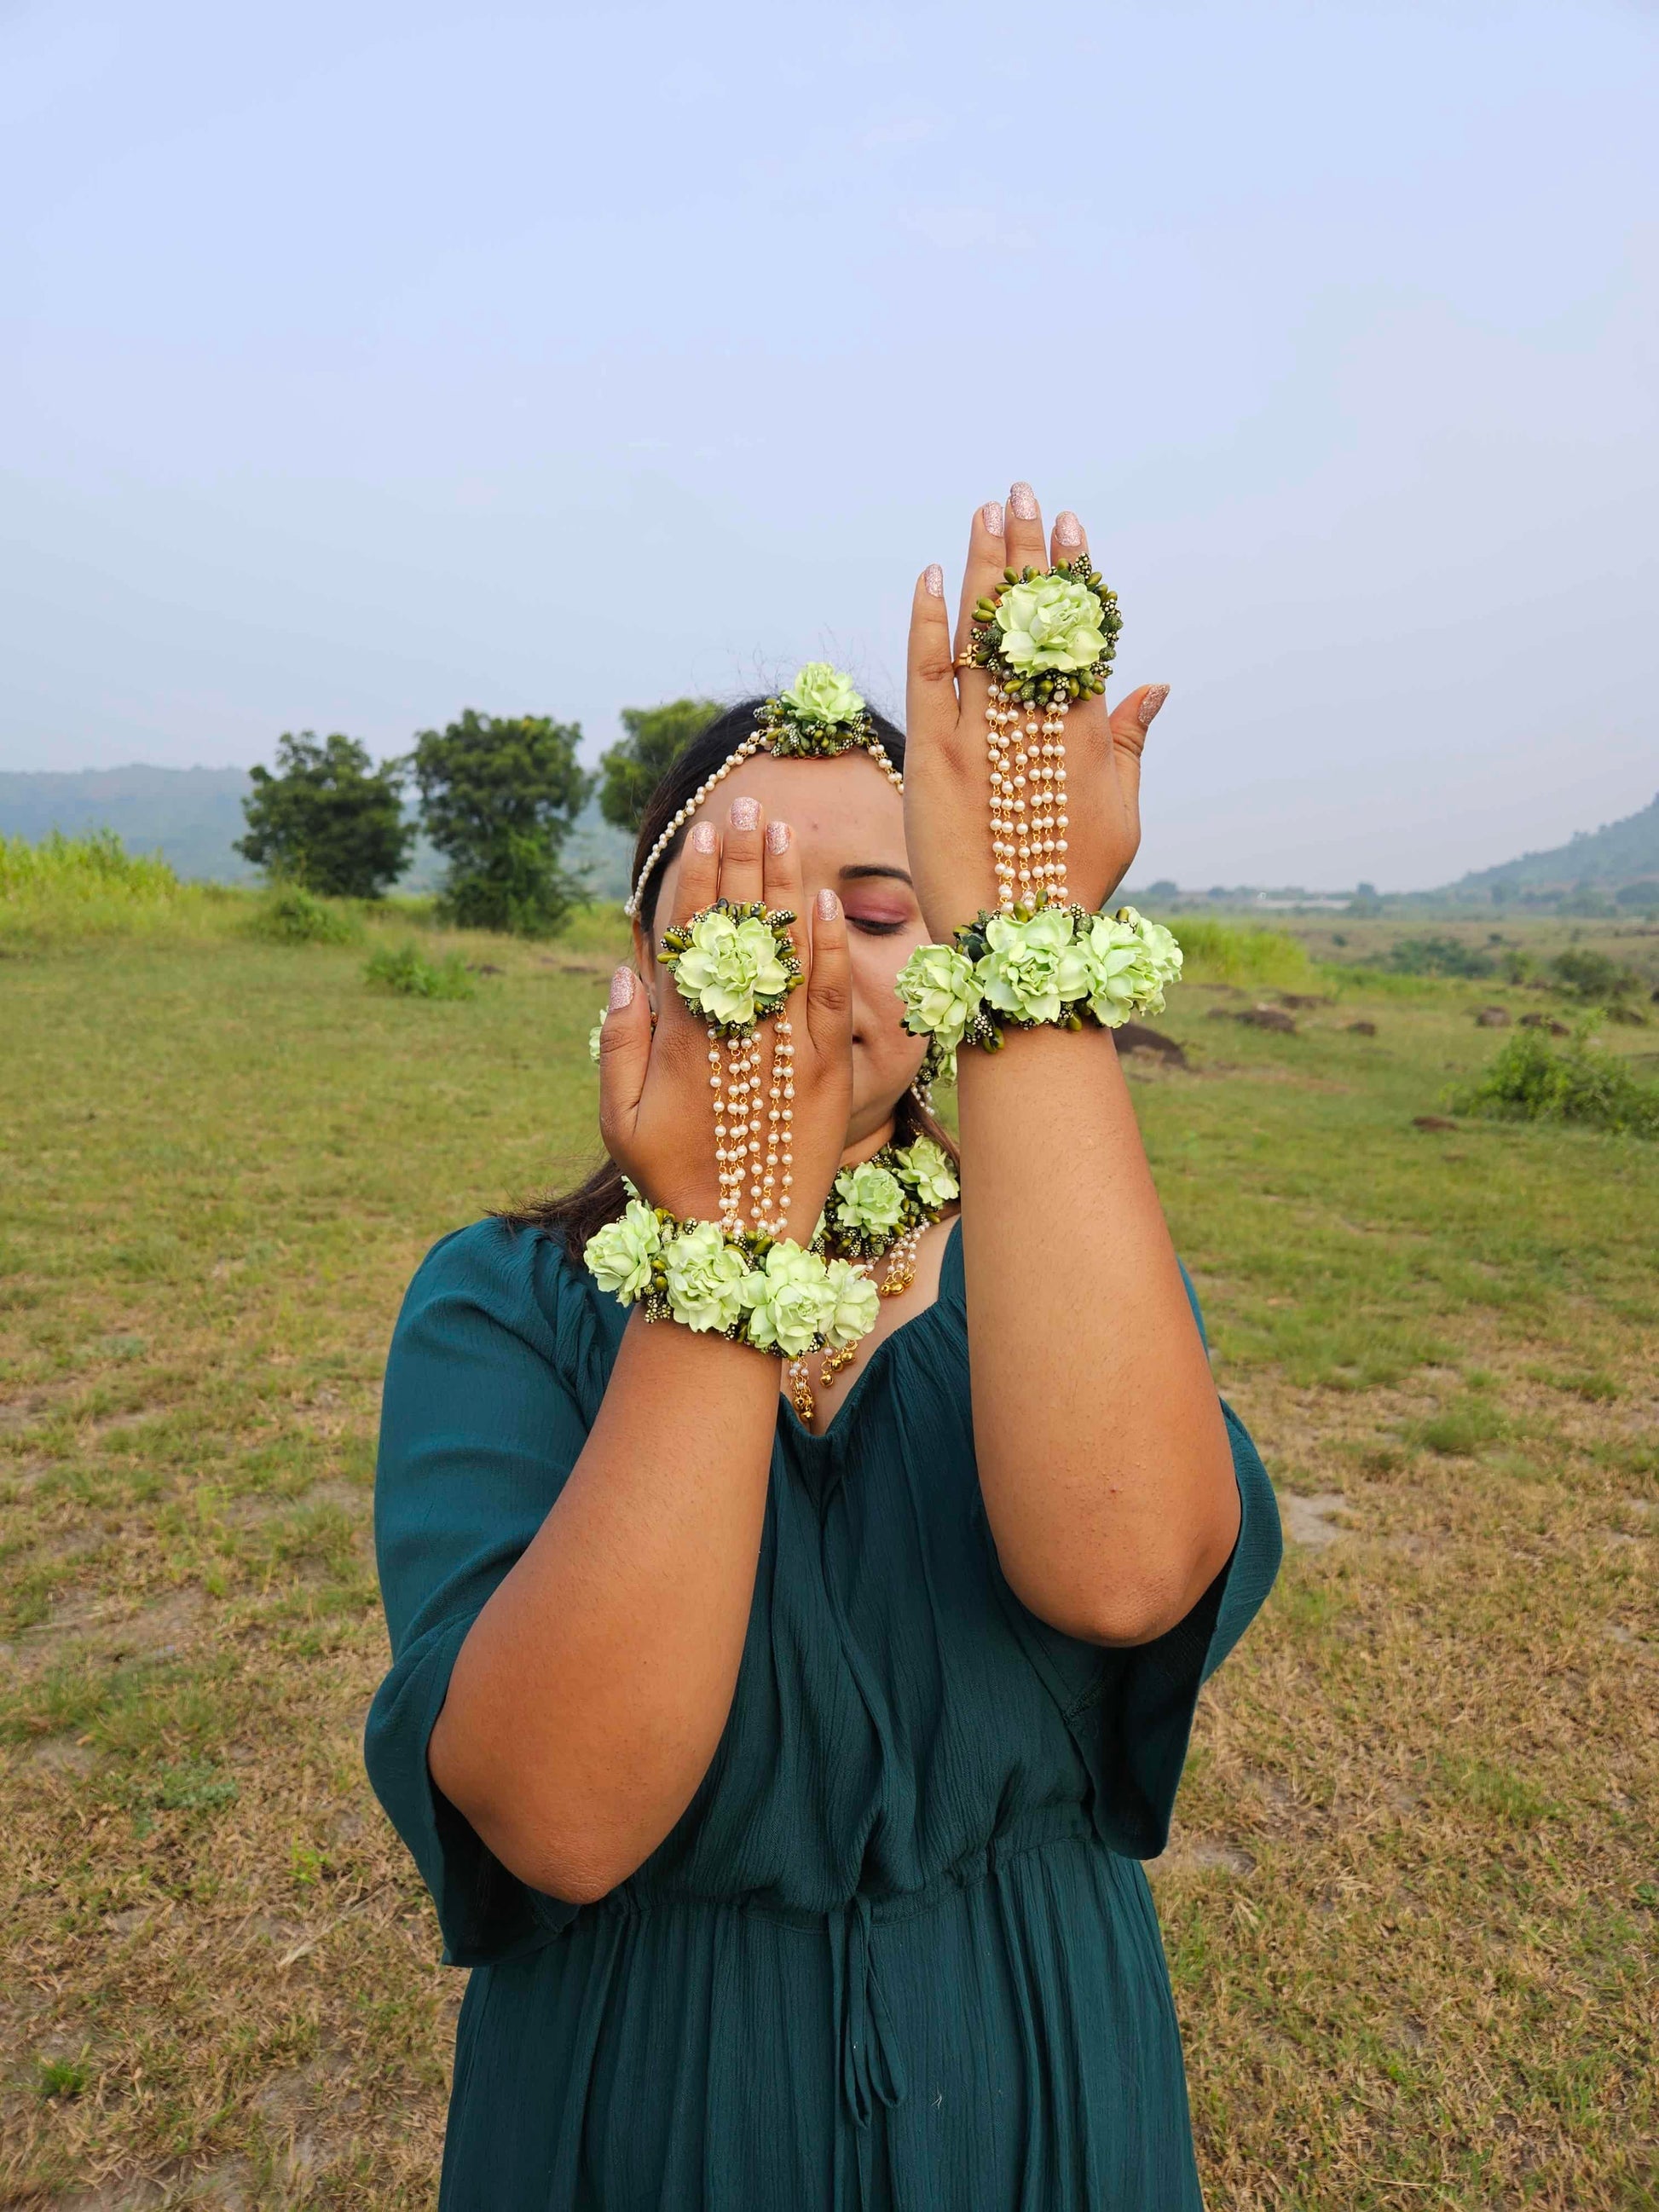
x=785, y=1779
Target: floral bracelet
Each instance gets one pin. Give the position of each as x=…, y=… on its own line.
x=1053, y=966
x=751, y=1288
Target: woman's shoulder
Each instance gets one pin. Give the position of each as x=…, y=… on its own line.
x=499, y=1273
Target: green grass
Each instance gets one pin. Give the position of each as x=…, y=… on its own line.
x=407, y=970
x=1228, y=952
x=1417, y=1967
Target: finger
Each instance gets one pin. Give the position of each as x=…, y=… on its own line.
x=697, y=877
x=829, y=979
x=1131, y=719
x=743, y=868
x=624, y=1055
x=930, y=707
x=1027, y=547
x=783, y=889
x=987, y=556
x=1068, y=542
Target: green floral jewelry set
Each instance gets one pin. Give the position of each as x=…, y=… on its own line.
x=744, y=1277
x=1037, y=959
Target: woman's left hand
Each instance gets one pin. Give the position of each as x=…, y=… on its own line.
x=946, y=791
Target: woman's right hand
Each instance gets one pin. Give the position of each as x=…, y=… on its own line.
x=656, y=1110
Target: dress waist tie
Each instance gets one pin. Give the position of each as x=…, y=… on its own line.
x=870, y=2066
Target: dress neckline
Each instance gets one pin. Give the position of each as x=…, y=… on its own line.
x=794, y=1427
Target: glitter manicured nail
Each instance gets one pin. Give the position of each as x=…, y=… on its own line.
x=1149, y=705
x=933, y=580
x=1023, y=499
x=829, y=906
x=777, y=836
x=990, y=515
x=746, y=813
x=702, y=837
x=1068, y=531
x=622, y=988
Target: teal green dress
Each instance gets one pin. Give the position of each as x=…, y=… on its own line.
x=899, y=1952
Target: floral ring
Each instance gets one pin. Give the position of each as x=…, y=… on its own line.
x=1046, y=635
x=733, y=964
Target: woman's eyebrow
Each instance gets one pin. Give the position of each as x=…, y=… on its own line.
x=860, y=869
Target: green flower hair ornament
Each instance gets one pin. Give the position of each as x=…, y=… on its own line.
x=733, y=964
x=1046, y=635
x=819, y=716
x=1052, y=966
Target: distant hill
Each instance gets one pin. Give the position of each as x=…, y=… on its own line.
x=1604, y=860
x=194, y=815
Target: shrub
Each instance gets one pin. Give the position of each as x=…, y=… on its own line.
x=1533, y=1080
x=1222, y=952
x=1437, y=956
x=1591, y=975
x=289, y=914
x=408, y=969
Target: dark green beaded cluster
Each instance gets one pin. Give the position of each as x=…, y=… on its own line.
x=789, y=736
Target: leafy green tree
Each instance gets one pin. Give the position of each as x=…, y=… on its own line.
x=498, y=796
x=327, y=819
x=631, y=769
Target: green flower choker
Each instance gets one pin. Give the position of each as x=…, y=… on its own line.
x=1051, y=966
x=1044, y=640
x=818, y=717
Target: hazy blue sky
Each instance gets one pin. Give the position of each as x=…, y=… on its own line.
x=359, y=362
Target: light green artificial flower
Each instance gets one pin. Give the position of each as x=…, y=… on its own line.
x=1050, y=623
x=1121, y=981
x=705, y=1278
x=870, y=1199
x=789, y=1299
x=926, y=1168
x=857, y=1302
x=729, y=964
x=619, y=1255
x=1163, y=950
x=1032, y=968
x=823, y=694
x=940, y=993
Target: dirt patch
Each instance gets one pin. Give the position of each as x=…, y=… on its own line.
x=1311, y=1520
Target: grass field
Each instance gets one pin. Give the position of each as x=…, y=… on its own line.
x=1412, y=1904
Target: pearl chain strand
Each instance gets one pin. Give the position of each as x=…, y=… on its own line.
x=1027, y=798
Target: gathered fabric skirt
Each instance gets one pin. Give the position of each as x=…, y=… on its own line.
x=1003, y=2040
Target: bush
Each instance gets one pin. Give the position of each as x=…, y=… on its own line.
x=409, y=971
x=1437, y=956
x=1222, y=952
x=288, y=914
x=1533, y=1080
x=1589, y=975
x=70, y=889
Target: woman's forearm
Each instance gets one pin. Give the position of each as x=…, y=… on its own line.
x=592, y=1690
x=1103, y=1456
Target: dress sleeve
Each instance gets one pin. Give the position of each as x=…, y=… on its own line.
x=492, y=1362
x=1130, y=1712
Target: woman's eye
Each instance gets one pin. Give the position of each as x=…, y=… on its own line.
x=872, y=925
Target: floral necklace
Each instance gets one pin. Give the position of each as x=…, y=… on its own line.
x=879, y=1210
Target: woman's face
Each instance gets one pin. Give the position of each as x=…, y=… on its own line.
x=849, y=825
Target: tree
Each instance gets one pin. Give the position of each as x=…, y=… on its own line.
x=632, y=769
x=498, y=796
x=327, y=819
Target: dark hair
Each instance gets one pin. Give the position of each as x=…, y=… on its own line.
x=575, y=1214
